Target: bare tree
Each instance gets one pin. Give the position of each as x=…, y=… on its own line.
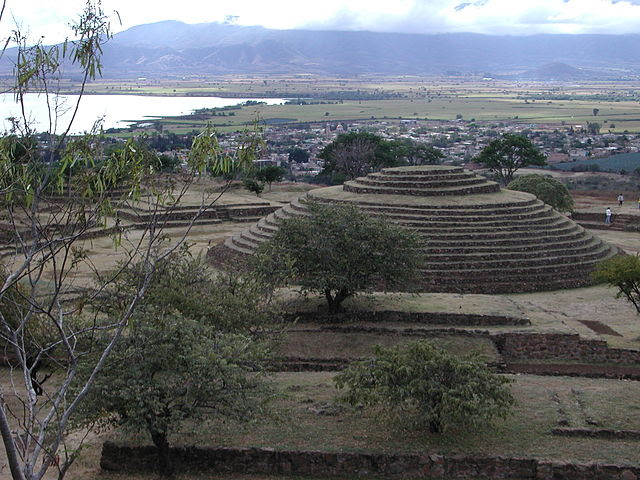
x=354, y=158
x=63, y=192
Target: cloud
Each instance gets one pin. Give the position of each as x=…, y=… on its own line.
x=412, y=16
x=495, y=16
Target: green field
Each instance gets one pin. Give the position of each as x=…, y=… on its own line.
x=624, y=115
x=625, y=161
x=395, y=98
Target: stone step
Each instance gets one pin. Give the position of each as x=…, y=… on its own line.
x=542, y=251
x=284, y=213
x=534, y=273
x=271, y=222
x=453, y=234
x=620, y=227
x=178, y=223
x=513, y=285
x=433, y=170
x=260, y=232
x=354, y=186
x=479, y=209
x=484, y=249
x=543, y=216
x=599, y=217
x=545, y=219
x=531, y=209
x=558, y=232
x=421, y=183
x=504, y=284
x=192, y=208
x=469, y=214
x=548, y=219
x=186, y=213
x=243, y=219
x=522, y=199
x=421, y=177
x=541, y=213
x=464, y=248
x=519, y=225
x=230, y=243
x=267, y=224
x=475, y=264
x=495, y=280
x=446, y=241
x=251, y=237
x=242, y=242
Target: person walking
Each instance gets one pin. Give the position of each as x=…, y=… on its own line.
x=607, y=215
x=620, y=199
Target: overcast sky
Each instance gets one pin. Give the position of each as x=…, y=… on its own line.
x=518, y=17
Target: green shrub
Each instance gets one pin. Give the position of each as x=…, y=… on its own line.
x=253, y=186
x=547, y=189
x=622, y=271
x=422, y=386
x=270, y=174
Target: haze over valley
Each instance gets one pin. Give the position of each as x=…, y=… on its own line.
x=175, y=49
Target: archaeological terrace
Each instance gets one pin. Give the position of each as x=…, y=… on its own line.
x=478, y=237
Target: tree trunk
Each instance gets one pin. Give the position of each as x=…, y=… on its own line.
x=165, y=467
x=10, y=445
x=335, y=302
x=435, y=426
x=330, y=301
x=341, y=295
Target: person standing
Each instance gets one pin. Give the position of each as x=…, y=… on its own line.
x=620, y=199
x=607, y=215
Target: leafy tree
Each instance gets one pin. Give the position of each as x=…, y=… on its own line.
x=414, y=153
x=168, y=163
x=339, y=251
x=190, y=353
x=270, y=174
x=593, y=128
x=505, y=155
x=253, y=186
x=547, y=189
x=19, y=149
x=426, y=387
x=623, y=272
x=298, y=155
x=185, y=284
x=356, y=154
x=170, y=369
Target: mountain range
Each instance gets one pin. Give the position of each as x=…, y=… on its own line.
x=171, y=48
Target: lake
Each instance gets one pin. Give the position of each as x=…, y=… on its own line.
x=118, y=110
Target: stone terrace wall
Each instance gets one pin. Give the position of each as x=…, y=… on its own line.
x=271, y=462
x=518, y=346
x=222, y=212
x=623, y=222
x=429, y=318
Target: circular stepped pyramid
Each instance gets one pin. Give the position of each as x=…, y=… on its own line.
x=478, y=238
